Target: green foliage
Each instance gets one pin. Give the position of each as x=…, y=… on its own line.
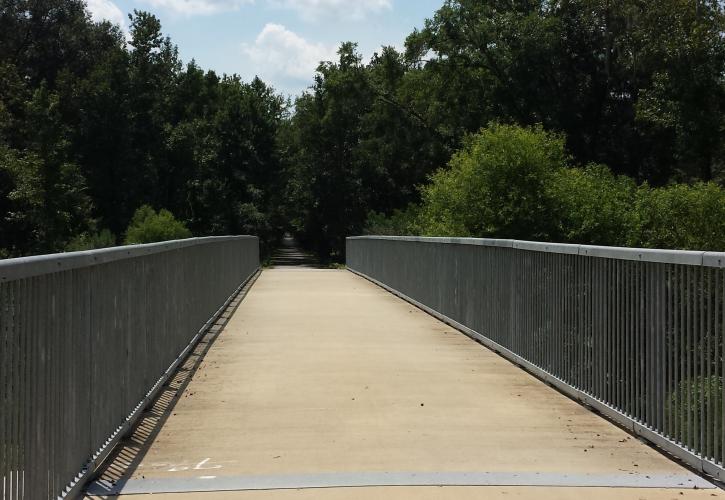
x=496, y=186
x=46, y=203
x=634, y=84
x=680, y=216
x=594, y=206
x=692, y=400
x=148, y=226
x=93, y=126
x=327, y=125
x=355, y=145
x=514, y=182
x=91, y=241
x=400, y=222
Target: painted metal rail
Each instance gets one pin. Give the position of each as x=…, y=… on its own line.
x=636, y=334
x=87, y=337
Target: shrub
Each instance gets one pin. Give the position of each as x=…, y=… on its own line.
x=495, y=186
x=90, y=241
x=514, y=182
x=400, y=222
x=147, y=226
x=692, y=400
x=593, y=205
x=680, y=216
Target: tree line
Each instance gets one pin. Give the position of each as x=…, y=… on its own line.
x=508, y=181
x=588, y=121
x=94, y=130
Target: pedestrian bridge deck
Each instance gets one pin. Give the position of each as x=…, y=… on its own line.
x=323, y=385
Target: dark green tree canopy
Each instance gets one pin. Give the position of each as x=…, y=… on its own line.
x=92, y=128
x=593, y=121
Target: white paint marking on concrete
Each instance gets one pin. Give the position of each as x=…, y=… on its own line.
x=202, y=465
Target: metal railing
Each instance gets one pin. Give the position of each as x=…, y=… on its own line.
x=87, y=337
x=636, y=334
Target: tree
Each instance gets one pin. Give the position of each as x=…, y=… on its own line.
x=633, y=84
x=356, y=144
x=680, y=216
x=153, y=67
x=42, y=38
x=327, y=126
x=683, y=46
x=46, y=204
x=397, y=149
x=93, y=127
x=496, y=186
x=593, y=206
x=518, y=183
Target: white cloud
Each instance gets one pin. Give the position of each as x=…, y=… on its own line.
x=309, y=10
x=192, y=7
x=105, y=10
x=285, y=59
x=313, y=10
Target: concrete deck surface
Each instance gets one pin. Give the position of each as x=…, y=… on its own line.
x=321, y=376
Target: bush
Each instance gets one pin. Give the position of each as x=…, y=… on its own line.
x=686, y=411
x=593, y=205
x=147, y=226
x=400, y=222
x=680, y=216
x=514, y=182
x=496, y=186
x=91, y=241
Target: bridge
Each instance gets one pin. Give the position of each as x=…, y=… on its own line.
x=429, y=368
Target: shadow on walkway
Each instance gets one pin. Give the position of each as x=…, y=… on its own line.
x=120, y=465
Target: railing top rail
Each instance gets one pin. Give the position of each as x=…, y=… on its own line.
x=37, y=265
x=686, y=257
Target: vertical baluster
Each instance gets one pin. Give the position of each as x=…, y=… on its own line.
x=717, y=357
x=5, y=329
x=720, y=329
x=688, y=377
x=707, y=331
x=629, y=336
x=656, y=339
x=15, y=367
x=616, y=345
x=671, y=326
x=605, y=321
x=700, y=376
x=598, y=368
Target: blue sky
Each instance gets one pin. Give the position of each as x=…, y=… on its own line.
x=280, y=40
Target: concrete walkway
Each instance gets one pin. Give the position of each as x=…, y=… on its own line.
x=323, y=386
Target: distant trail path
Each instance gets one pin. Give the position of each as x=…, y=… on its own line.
x=290, y=255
